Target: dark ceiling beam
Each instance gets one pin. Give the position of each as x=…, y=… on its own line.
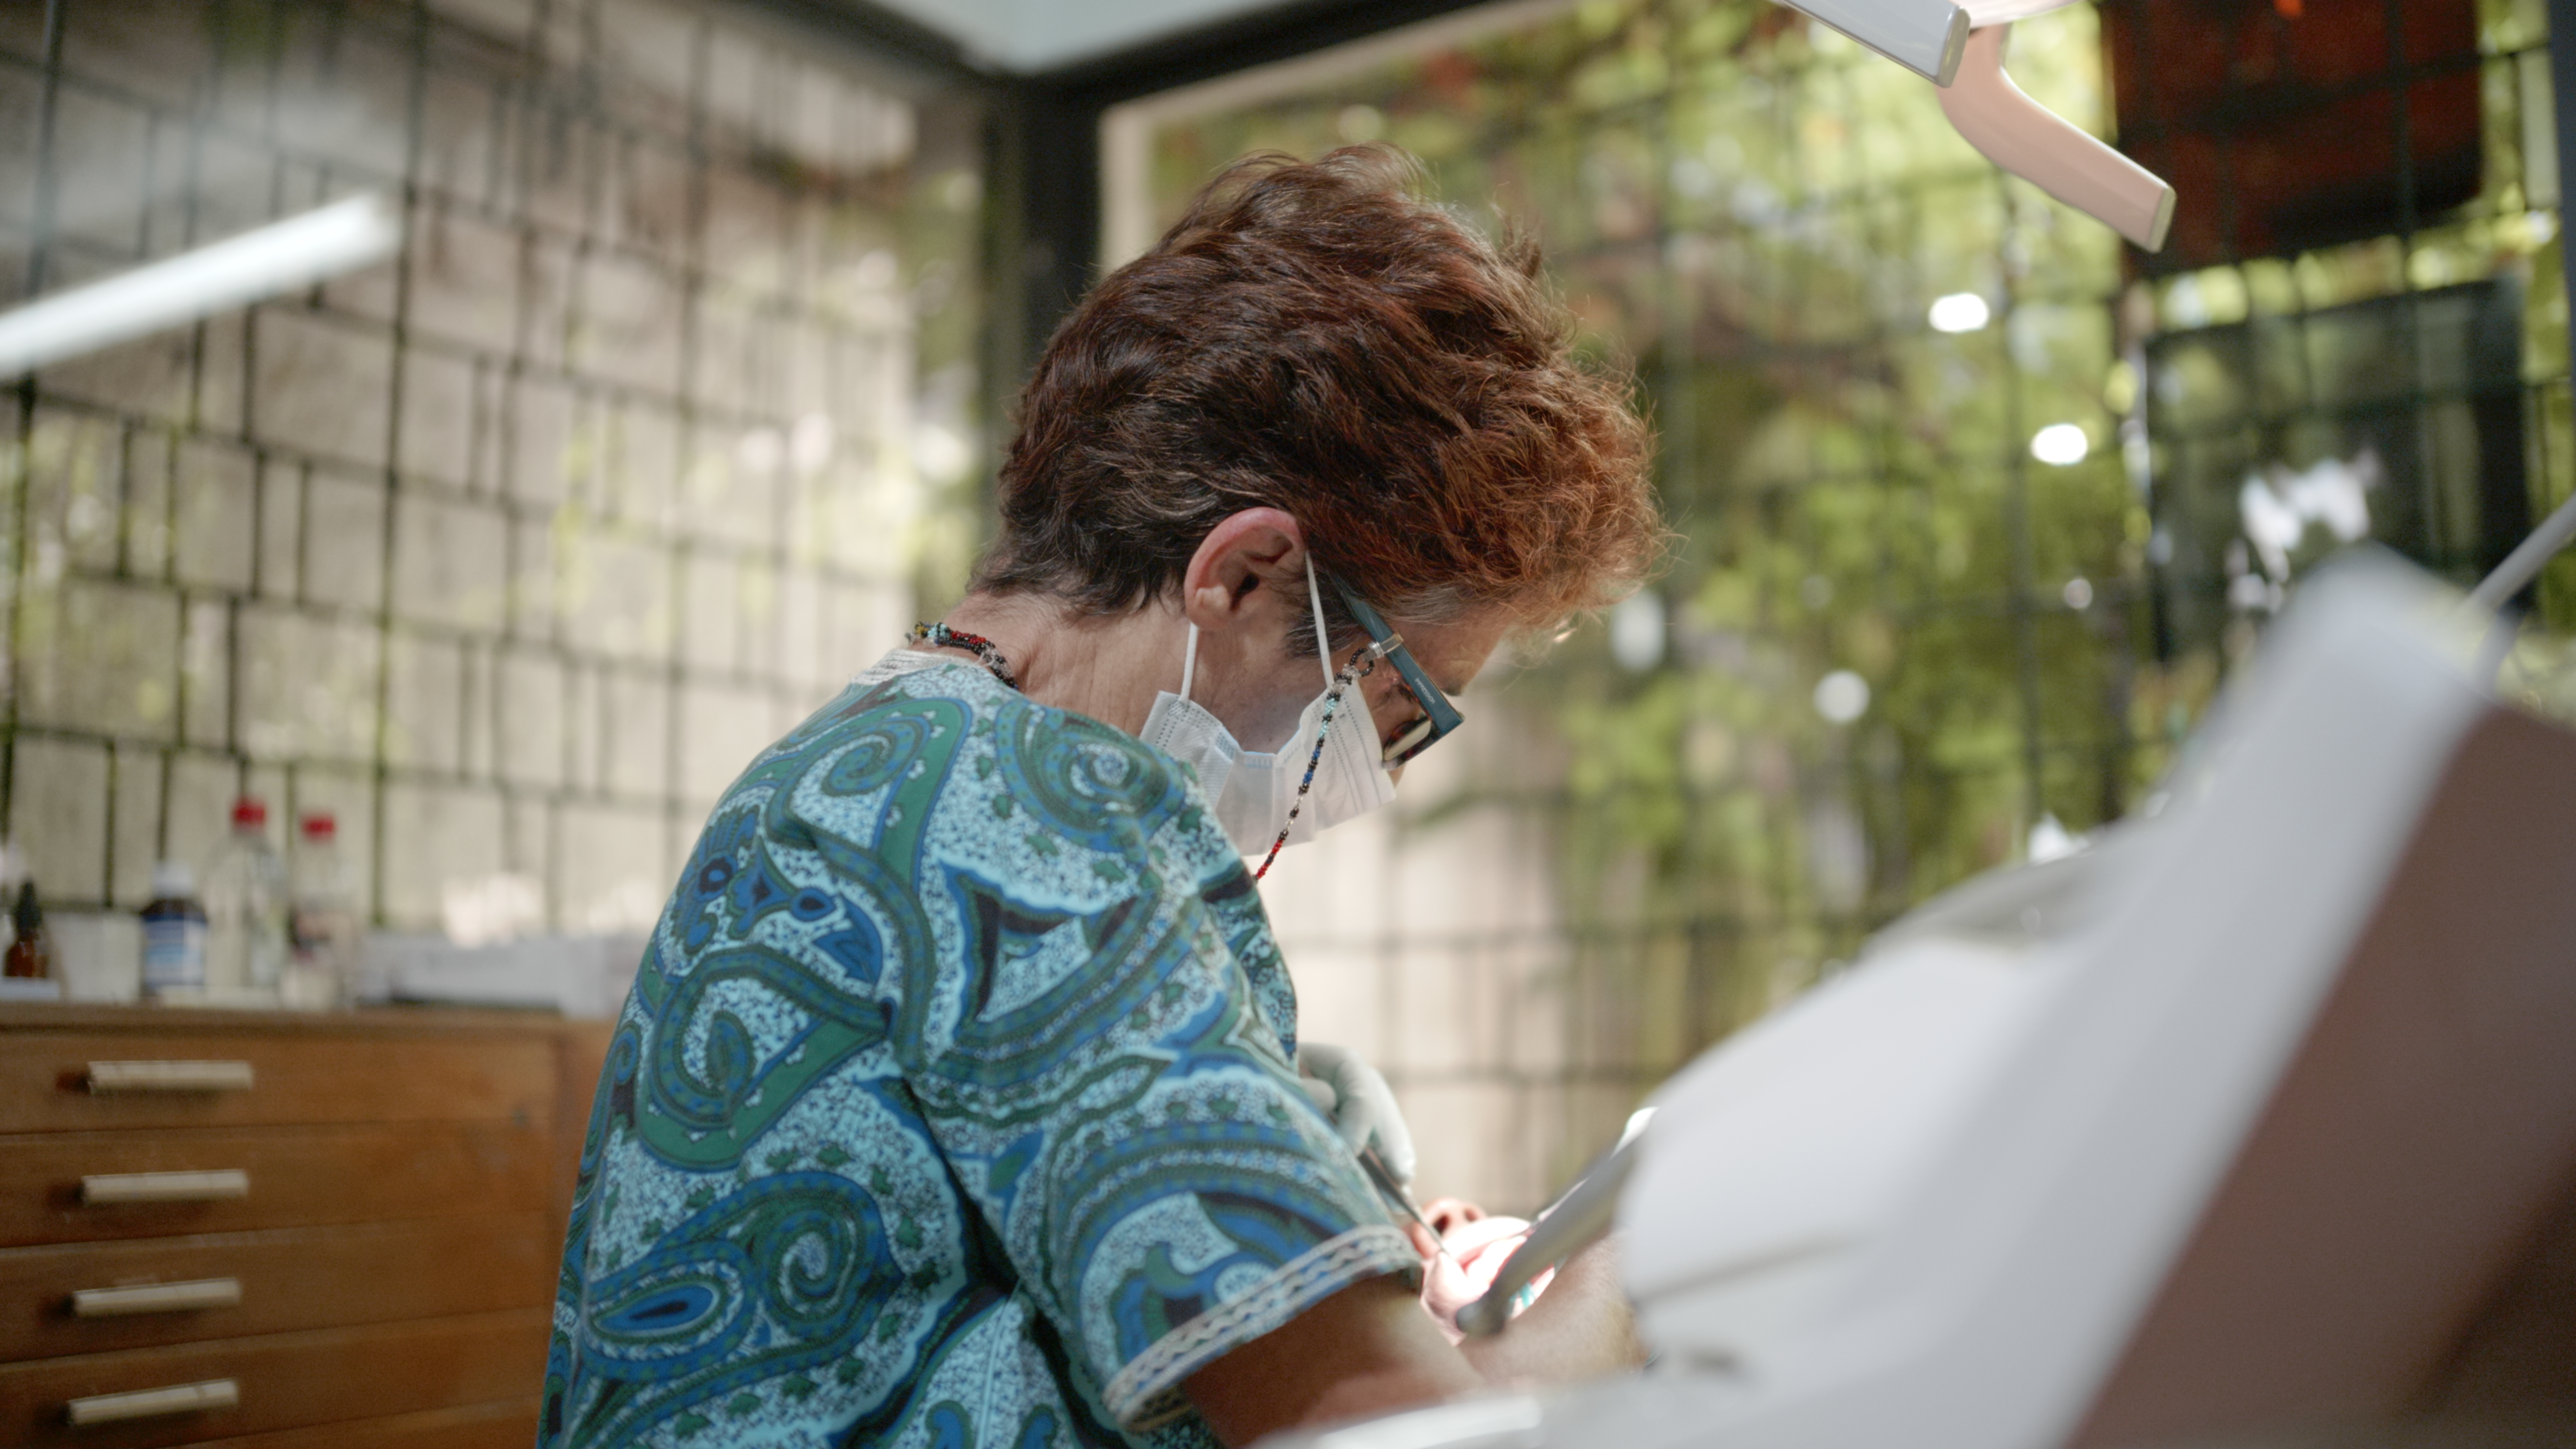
x=1281, y=32
x=898, y=40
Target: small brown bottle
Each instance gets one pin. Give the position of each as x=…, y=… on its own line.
x=31, y=955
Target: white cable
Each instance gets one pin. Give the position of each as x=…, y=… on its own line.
x=1323, y=641
x=2523, y=564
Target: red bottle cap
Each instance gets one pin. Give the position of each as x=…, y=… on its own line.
x=320, y=826
x=249, y=812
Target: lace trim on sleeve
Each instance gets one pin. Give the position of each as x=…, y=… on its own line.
x=1148, y=1390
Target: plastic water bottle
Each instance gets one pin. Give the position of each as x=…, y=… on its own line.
x=31, y=949
x=323, y=920
x=174, y=933
x=246, y=909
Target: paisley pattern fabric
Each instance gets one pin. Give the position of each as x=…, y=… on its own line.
x=953, y=1106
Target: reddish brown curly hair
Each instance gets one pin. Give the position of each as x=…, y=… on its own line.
x=1320, y=339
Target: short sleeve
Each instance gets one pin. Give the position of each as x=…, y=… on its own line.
x=1087, y=1051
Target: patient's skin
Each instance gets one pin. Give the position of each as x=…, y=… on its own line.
x=1459, y=1266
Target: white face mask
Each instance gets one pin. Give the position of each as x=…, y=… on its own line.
x=1256, y=792
x=1188, y=733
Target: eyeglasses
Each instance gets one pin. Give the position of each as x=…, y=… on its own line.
x=1439, y=716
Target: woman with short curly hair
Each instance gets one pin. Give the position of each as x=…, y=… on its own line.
x=957, y=1100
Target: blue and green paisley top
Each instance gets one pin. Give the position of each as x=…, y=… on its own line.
x=953, y=1107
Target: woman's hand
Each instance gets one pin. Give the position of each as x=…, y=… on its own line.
x=1362, y=1107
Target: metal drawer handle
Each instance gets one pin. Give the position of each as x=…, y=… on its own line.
x=107, y=1077
x=154, y=1403
x=227, y=1185
x=156, y=1298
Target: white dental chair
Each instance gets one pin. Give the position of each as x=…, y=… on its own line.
x=2252, y=1116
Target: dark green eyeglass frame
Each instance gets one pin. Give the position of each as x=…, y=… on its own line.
x=1439, y=716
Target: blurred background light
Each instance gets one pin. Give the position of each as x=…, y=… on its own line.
x=1960, y=312
x=2061, y=445
x=1842, y=697
x=1637, y=631
x=2051, y=840
x=939, y=453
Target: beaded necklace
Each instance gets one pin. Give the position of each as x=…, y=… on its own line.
x=941, y=636
x=1352, y=673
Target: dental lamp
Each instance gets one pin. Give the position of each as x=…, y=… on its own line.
x=1960, y=48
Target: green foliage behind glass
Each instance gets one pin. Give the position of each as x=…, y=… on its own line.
x=1758, y=216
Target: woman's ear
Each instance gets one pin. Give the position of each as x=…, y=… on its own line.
x=1241, y=567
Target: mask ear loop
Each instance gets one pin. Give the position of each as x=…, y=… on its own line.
x=1189, y=663
x=1323, y=641
x=1335, y=686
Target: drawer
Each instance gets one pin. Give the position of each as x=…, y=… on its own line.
x=293, y=1078
x=284, y=1281
x=485, y=1426
x=296, y=1177
x=284, y=1381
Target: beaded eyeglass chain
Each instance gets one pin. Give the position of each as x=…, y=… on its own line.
x=942, y=637
x=1352, y=673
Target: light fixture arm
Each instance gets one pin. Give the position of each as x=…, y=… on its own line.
x=2050, y=152
x=1961, y=50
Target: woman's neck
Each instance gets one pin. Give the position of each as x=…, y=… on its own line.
x=1106, y=666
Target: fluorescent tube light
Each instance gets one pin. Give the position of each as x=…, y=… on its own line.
x=218, y=277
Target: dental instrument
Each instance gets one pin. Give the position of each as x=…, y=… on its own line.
x=1566, y=1227
x=1394, y=1192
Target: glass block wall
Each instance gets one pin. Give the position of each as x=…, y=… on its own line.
x=511, y=551
x=1935, y=450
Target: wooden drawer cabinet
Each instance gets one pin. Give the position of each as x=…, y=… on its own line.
x=285, y=1380
x=281, y=1281
x=48, y=1083
x=478, y=1426
x=295, y=1177
x=263, y=1231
